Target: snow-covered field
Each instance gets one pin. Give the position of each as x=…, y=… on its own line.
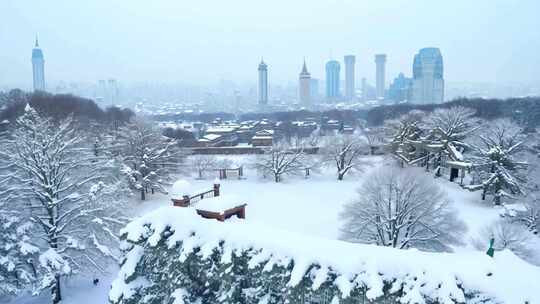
x=308, y=206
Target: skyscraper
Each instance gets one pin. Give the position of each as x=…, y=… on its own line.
x=314, y=88
x=380, y=62
x=400, y=88
x=38, y=68
x=349, y=77
x=428, y=81
x=332, y=79
x=304, y=80
x=263, y=83
x=364, y=89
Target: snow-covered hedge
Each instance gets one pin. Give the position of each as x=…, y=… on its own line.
x=174, y=256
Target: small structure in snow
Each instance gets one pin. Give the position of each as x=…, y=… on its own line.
x=225, y=172
x=183, y=194
x=221, y=208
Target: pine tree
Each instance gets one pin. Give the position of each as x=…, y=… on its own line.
x=148, y=157
x=495, y=161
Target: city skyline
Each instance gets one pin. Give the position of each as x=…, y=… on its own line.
x=180, y=42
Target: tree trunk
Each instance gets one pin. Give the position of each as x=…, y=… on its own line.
x=340, y=176
x=276, y=178
x=56, y=291
x=143, y=194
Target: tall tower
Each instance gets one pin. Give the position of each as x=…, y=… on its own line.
x=263, y=83
x=304, y=86
x=428, y=80
x=364, y=89
x=38, y=68
x=332, y=79
x=349, y=77
x=380, y=62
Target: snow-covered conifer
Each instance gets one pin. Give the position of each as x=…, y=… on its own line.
x=495, y=163
x=54, y=182
x=148, y=156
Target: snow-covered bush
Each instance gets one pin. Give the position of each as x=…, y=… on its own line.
x=401, y=208
x=172, y=254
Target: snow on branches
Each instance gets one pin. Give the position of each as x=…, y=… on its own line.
x=51, y=179
x=401, y=208
x=281, y=159
x=148, y=156
x=495, y=162
x=345, y=152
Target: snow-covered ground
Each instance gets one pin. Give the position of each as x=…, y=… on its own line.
x=306, y=206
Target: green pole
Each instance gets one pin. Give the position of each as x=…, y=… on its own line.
x=491, y=251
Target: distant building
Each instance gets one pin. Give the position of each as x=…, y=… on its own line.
x=263, y=83
x=428, y=80
x=38, y=68
x=380, y=62
x=364, y=89
x=350, y=90
x=314, y=88
x=332, y=79
x=304, y=80
x=113, y=94
x=400, y=88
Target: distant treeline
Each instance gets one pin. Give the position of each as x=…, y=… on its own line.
x=348, y=116
x=526, y=111
x=59, y=106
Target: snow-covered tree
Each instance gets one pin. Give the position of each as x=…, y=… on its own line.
x=402, y=209
x=281, y=159
x=148, y=157
x=202, y=163
x=402, y=133
x=500, y=173
x=447, y=130
x=54, y=182
x=345, y=153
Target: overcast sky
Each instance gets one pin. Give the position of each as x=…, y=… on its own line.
x=202, y=41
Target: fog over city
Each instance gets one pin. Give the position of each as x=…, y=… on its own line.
x=269, y=152
x=201, y=42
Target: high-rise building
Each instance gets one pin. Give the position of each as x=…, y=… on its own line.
x=314, y=88
x=400, y=88
x=304, y=80
x=263, y=83
x=38, y=68
x=113, y=91
x=380, y=62
x=332, y=79
x=364, y=89
x=428, y=80
x=349, y=77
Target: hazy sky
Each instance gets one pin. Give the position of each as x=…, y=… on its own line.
x=202, y=41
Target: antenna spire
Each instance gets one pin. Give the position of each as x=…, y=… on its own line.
x=37, y=42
